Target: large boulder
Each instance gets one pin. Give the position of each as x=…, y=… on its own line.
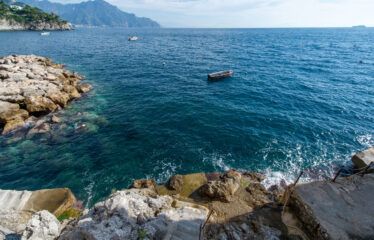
x=364, y=158
x=144, y=183
x=38, y=104
x=175, y=182
x=223, y=189
x=43, y=225
x=138, y=214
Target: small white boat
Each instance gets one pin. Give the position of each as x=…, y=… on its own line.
x=133, y=38
x=45, y=33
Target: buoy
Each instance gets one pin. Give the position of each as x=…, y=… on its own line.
x=361, y=61
x=164, y=63
x=201, y=56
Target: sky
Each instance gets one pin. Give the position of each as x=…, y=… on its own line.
x=250, y=13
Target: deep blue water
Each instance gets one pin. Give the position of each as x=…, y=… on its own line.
x=299, y=98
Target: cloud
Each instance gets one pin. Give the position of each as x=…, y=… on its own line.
x=252, y=13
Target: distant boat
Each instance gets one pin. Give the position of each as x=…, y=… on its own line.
x=359, y=26
x=45, y=33
x=219, y=75
x=133, y=38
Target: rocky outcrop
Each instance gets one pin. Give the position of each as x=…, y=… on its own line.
x=335, y=210
x=138, y=214
x=17, y=207
x=222, y=189
x=32, y=85
x=6, y=25
x=42, y=225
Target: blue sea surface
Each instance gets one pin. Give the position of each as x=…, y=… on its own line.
x=298, y=99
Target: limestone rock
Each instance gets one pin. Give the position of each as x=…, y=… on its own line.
x=256, y=177
x=38, y=129
x=364, y=158
x=35, y=83
x=17, y=207
x=43, y=225
x=55, y=119
x=137, y=212
x=336, y=210
x=84, y=88
x=259, y=194
x=144, y=183
x=175, y=182
x=13, y=124
x=222, y=189
x=36, y=104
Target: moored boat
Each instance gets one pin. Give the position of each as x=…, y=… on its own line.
x=133, y=38
x=219, y=75
x=45, y=33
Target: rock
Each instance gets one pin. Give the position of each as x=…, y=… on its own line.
x=58, y=97
x=221, y=190
x=7, y=110
x=43, y=225
x=17, y=207
x=38, y=104
x=13, y=124
x=144, y=183
x=259, y=194
x=364, y=158
x=175, y=182
x=72, y=91
x=256, y=177
x=233, y=174
x=135, y=213
x=336, y=210
x=38, y=129
x=84, y=88
x=35, y=83
x=55, y=119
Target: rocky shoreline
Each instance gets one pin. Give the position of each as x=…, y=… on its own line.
x=6, y=25
x=33, y=86
x=231, y=205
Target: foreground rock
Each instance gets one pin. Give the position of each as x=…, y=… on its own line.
x=139, y=214
x=364, y=158
x=339, y=210
x=17, y=207
x=43, y=225
x=32, y=85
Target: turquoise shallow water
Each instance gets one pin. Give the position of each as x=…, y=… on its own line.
x=299, y=98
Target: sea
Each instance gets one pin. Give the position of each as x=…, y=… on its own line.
x=299, y=100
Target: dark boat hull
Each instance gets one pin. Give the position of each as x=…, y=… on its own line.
x=220, y=75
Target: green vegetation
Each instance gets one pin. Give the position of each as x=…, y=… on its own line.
x=27, y=15
x=142, y=234
x=70, y=213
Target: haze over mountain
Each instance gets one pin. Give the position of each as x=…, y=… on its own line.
x=93, y=13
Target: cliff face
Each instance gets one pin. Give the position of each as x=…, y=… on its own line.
x=6, y=25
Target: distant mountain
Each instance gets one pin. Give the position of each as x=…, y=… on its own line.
x=93, y=13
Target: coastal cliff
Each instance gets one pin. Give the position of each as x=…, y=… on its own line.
x=231, y=205
x=15, y=17
x=7, y=25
